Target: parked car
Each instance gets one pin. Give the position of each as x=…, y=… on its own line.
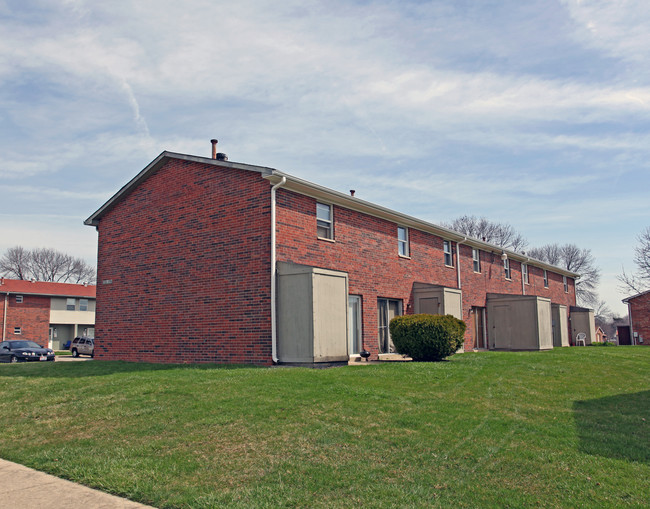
x=19, y=350
x=82, y=346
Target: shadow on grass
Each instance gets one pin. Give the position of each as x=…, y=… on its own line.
x=615, y=427
x=99, y=368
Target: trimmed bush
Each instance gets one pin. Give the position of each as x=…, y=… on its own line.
x=427, y=337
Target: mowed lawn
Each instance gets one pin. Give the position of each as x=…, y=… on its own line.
x=564, y=428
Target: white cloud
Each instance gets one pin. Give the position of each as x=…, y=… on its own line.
x=617, y=28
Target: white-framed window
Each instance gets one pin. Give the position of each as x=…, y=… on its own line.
x=403, y=241
x=506, y=268
x=18, y=330
x=70, y=304
x=324, y=228
x=83, y=304
x=476, y=259
x=566, y=284
x=19, y=299
x=446, y=247
x=524, y=272
x=545, y=279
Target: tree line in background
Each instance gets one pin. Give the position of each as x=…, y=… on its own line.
x=45, y=264
x=567, y=256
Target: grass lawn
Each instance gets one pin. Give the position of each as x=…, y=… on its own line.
x=564, y=428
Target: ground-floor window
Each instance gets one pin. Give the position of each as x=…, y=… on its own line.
x=387, y=310
x=354, y=324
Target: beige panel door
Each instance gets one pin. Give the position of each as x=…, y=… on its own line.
x=429, y=305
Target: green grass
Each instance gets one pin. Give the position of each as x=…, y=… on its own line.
x=565, y=428
x=62, y=353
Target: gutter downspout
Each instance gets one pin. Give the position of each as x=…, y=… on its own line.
x=629, y=314
x=523, y=285
x=274, y=334
x=458, y=243
x=4, y=318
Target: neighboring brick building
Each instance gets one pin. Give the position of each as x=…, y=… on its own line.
x=48, y=313
x=638, y=307
x=188, y=263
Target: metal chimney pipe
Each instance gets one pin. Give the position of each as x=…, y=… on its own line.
x=214, y=148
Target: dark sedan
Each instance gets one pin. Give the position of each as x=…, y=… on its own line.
x=24, y=351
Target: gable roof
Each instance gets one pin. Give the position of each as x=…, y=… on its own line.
x=25, y=287
x=153, y=167
x=305, y=187
x=635, y=296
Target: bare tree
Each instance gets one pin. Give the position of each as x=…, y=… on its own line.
x=15, y=263
x=639, y=281
x=575, y=259
x=45, y=265
x=499, y=234
x=602, y=312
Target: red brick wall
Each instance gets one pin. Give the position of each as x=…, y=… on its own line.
x=187, y=254
x=32, y=316
x=366, y=248
x=640, y=311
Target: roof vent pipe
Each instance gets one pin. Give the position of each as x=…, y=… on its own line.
x=214, y=148
x=351, y=192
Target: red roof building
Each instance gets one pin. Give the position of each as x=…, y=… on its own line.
x=51, y=314
x=206, y=260
x=638, y=307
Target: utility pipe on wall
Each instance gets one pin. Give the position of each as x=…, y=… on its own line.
x=274, y=334
x=4, y=318
x=458, y=260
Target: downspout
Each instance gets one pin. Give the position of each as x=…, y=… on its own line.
x=274, y=334
x=4, y=318
x=523, y=286
x=629, y=314
x=458, y=260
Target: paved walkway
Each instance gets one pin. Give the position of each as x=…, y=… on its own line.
x=24, y=488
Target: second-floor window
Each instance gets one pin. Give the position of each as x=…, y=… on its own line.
x=324, y=221
x=545, y=279
x=70, y=305
x=19, y=299
x=506, y=268
x=402, y=241
x=476, y=259
x=524, y=272
x=566, y=284
x=83, y=304
x=446, y=247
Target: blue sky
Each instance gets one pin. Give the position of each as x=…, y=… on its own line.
x=531, y=113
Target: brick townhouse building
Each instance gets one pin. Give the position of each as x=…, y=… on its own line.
x=206, y=260
x=638, y=308
x=48, y=313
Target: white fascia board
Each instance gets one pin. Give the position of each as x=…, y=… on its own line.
x=327, y=195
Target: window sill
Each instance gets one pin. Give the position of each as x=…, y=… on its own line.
x=450, y=266
x=326, y=239
x=403, y=256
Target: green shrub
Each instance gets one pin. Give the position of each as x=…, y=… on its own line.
x=427, y=337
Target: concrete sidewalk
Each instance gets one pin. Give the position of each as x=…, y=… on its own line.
x=24, y=488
